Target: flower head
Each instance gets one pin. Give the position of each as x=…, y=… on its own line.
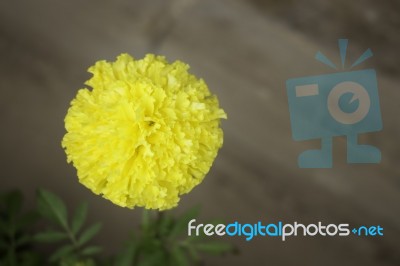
x=146, y=133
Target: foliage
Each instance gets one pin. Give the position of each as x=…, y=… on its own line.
x=15, y=237
x=160, y=240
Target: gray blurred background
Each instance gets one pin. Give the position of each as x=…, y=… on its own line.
x=245, y=50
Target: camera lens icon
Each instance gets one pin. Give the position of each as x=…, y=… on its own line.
x=337, y=107
x=336, y=104
x=330, y=105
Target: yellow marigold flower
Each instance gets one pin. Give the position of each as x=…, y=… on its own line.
x=146, y=133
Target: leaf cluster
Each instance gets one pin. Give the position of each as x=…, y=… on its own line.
x=160, y=241
x=163, y=241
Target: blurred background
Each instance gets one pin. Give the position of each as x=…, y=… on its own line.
x=245, y=50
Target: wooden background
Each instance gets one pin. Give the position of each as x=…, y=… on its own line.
x=245, y=54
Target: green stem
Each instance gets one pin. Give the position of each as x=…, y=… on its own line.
x=145, y=220
x=12, y=250
x=72, y=238
x=160, y=217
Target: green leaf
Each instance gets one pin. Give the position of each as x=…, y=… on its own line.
x=24, y=239
x=127, y=256
x=70, y=260
x=88, y=251
x=182, y=222
x=79, y=217
x=2, y=196
x=50, y=236
x=193, y=253
x=3, y=227
x=52, y=207
x=29, y=258
x=215, y=248
x=13, y=201
x=11, y=258
x=165, y=225
x=86, y=262
x=61, y=253
x=3, y=245
x=89, y=234
x=150, y=243
x=155, y=258
x=179, y=257
x=28, y=219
